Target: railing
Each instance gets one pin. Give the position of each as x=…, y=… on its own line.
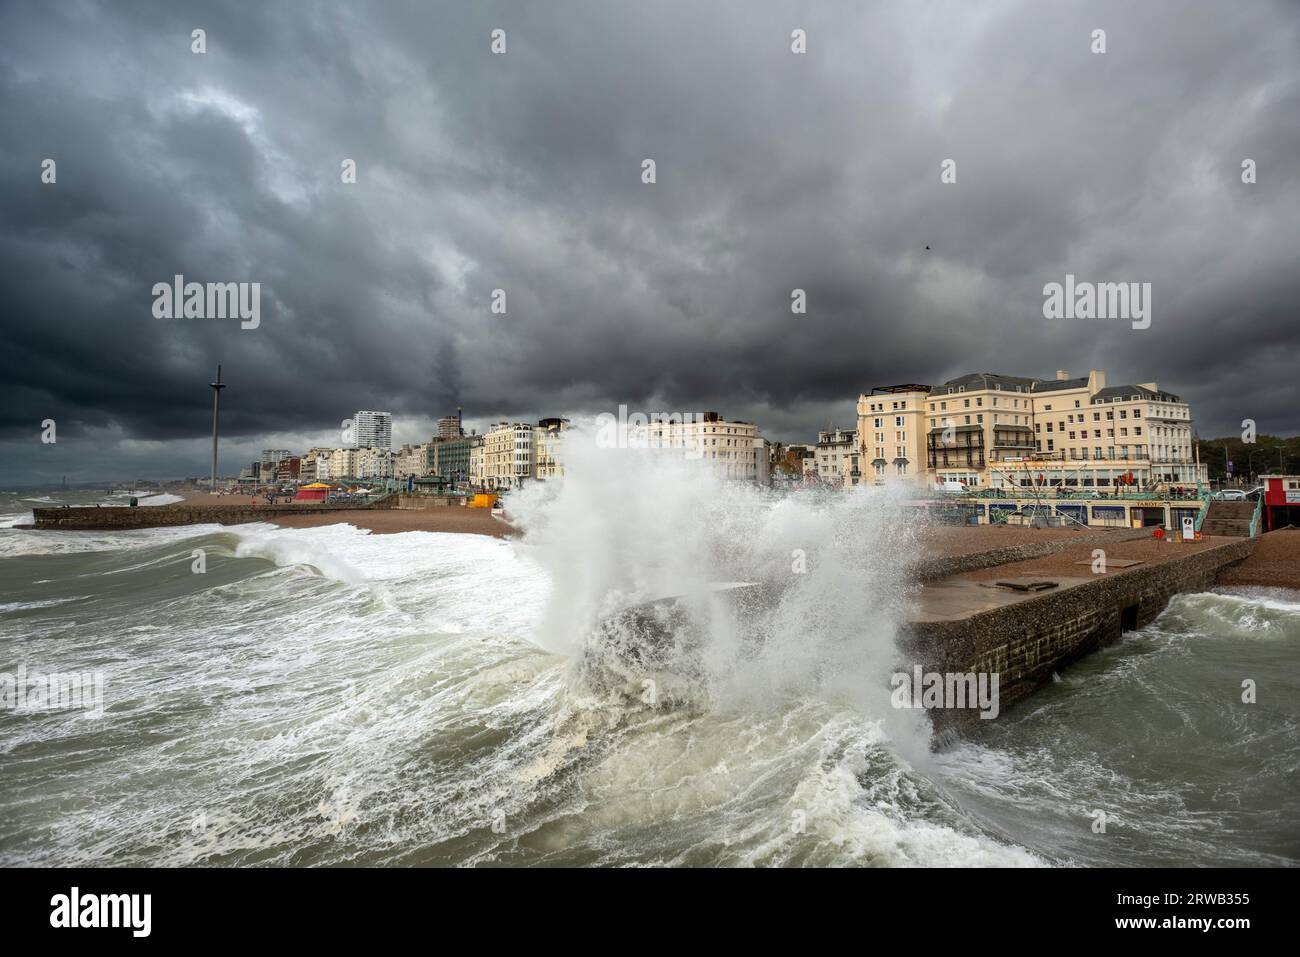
x=1067, y=515
x=1205, y=508
x=1098, y=495
x=1254, y=519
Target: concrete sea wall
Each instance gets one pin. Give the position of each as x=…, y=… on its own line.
x=1025, y=642
x=420, y=502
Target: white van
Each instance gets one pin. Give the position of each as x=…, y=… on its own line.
x=952, y=487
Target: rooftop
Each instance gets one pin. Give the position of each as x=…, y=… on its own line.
x=1125, y=391
x=895, y=389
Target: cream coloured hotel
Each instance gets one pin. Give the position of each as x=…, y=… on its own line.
x=985, y=430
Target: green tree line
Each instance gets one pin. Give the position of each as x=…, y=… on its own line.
x=1267, y=455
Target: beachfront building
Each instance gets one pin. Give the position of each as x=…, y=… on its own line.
x=734, y=448
x=514, y=452
x=271, y=458
x=508, y=455
x=831, y=462
x=891, y=434
x=449, y=458
x=372, y=430
x=411, y=460
x=477, y=465
x=546, y=440
x=288, y=469
x=342, y=465
x=373, y=464
x=1003, y=432
x=315, y=465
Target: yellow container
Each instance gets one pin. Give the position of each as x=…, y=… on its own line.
x=483, y=500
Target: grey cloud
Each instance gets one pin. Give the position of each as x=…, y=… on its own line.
x=522, y=172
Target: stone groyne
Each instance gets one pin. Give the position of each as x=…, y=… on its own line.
x=121, y=518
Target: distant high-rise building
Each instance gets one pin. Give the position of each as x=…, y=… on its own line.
x=449, y=426
x=374, y=430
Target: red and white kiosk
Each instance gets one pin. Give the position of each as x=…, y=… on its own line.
x=1281, y=501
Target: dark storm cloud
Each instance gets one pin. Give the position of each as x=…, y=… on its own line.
x=522, y=172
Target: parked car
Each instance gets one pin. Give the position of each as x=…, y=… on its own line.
x=1230, y=495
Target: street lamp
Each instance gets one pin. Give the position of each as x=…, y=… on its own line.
x=1250, y=460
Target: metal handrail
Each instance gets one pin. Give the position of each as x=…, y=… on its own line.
x=1028, y=492
x=1254, y=519
x=1205, y=509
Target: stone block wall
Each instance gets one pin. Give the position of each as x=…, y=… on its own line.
x=111, y=518
x=1025, y=642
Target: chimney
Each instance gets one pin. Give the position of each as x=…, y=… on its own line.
x=1062, y=375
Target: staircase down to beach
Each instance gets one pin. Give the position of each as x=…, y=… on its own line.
x=1229, y=519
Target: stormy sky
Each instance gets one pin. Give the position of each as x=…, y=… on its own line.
x=522, y=171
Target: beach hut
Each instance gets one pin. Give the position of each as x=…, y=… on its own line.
x=315, y=492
